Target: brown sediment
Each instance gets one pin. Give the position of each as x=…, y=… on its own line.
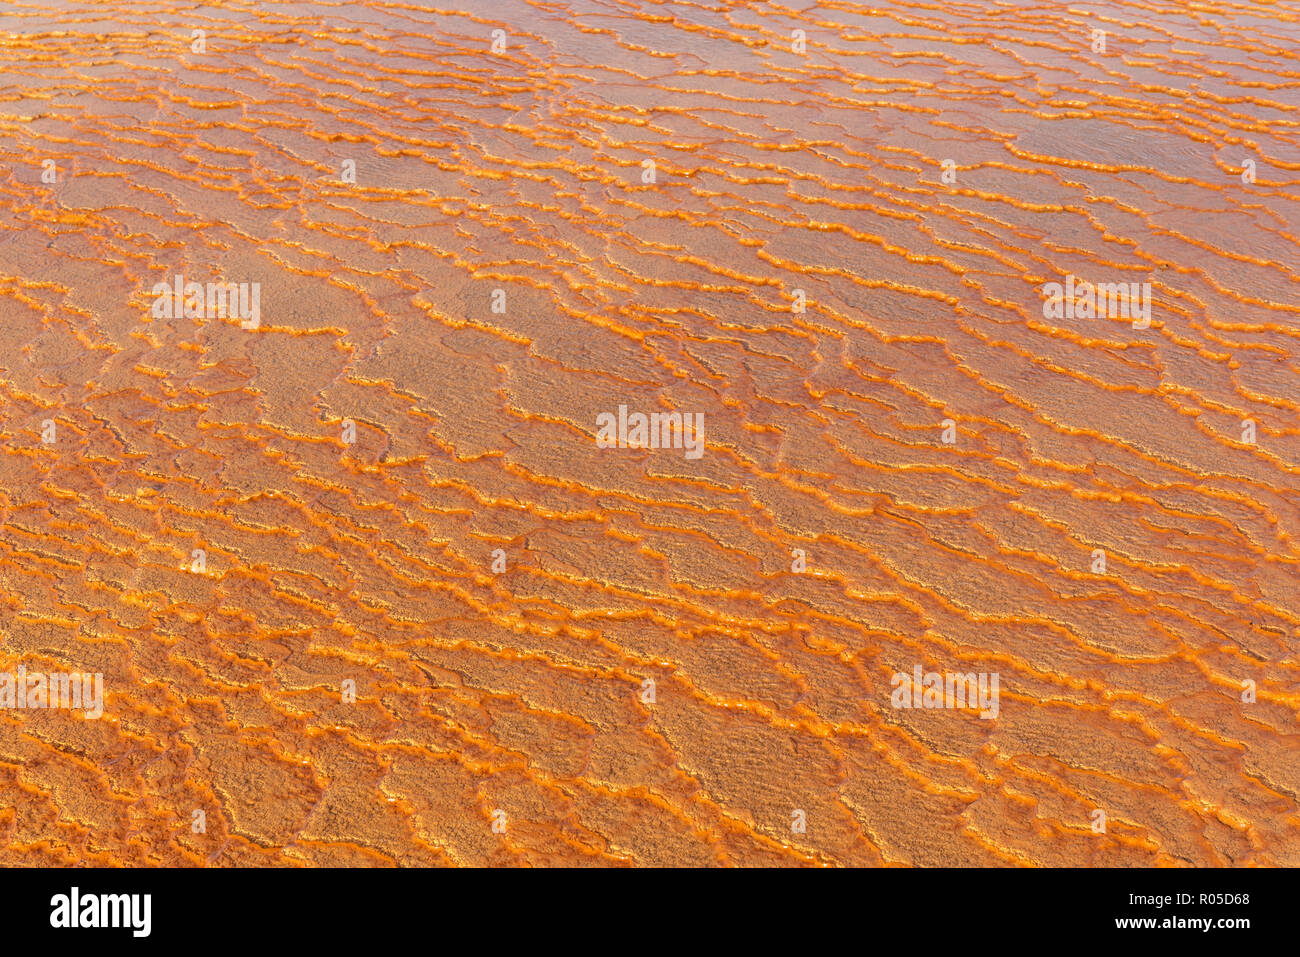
x=776, y=172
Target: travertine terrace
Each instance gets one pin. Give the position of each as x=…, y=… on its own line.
x=823, y=229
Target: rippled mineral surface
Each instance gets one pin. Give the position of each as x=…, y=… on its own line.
x=365, y=588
